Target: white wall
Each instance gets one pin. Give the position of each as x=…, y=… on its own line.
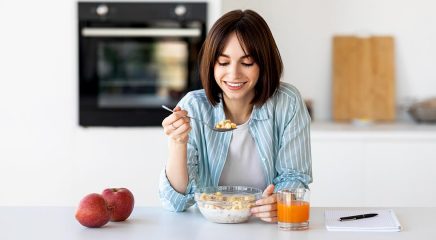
x=303, y=30
x=45, y=157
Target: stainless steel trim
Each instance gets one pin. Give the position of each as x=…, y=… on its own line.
x=140, y=32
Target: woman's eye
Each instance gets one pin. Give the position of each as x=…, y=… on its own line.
x=223, y=63
x=247, y=64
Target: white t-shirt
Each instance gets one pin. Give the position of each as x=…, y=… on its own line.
x=243, y=166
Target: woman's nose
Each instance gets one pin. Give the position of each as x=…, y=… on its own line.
x=234, y=71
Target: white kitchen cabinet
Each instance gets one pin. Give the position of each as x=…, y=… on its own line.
x=378, y=165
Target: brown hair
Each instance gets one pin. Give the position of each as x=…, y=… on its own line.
x=256, y=38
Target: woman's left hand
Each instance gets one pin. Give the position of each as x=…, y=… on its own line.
x=266, y=208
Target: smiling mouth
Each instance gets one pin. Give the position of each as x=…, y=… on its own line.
x=234, y=85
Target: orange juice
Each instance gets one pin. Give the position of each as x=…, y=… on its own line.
x=296, y=212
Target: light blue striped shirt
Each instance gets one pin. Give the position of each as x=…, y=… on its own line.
x=280, y=129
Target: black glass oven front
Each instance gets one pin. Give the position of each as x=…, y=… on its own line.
x=135, y=57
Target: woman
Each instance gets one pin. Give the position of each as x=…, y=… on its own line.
x=240, y=69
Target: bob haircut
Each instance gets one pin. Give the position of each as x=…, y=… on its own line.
x=256, y=40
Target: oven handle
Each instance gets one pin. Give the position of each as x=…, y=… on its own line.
x=141, y=32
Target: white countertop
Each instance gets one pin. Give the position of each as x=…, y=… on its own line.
x=395, y=126
x=50, y=223
x=397, y=130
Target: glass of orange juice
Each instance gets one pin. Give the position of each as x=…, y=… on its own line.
x=293, y=209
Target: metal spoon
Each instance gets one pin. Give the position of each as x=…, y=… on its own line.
x=213, y=128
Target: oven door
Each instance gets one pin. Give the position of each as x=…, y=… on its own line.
x=127, y=74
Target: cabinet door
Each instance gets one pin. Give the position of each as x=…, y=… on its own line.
x=338, y=173
x=400, y=173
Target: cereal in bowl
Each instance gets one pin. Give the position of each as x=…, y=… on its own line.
x=222, y=208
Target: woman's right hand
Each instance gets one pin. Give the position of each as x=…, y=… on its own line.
x=177, y=126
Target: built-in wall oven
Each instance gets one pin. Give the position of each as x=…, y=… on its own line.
x=135, y=57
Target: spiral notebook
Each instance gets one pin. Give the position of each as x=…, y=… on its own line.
x=385, y=221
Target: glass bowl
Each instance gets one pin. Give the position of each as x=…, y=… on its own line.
x=227, y=204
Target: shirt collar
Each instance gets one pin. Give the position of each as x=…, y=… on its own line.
x=219, y=111
x=262, y=112
x=259, y=112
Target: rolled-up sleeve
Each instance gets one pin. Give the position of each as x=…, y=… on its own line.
x=294, y=160
x=170, y=198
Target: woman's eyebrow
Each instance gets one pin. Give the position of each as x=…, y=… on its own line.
x=227, y=56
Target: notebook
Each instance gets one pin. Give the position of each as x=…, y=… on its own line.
x=385, y=221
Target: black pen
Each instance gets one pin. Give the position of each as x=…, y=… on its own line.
x=355, y=217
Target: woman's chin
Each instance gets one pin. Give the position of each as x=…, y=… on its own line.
x=232, y=96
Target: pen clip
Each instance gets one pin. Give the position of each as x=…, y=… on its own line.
x=343, y=219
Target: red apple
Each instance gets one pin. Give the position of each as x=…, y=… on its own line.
x=121, y=201
x=93, y=211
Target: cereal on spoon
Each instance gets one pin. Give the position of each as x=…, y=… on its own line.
x=225, y=124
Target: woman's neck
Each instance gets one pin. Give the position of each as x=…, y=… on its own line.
x=237, y=111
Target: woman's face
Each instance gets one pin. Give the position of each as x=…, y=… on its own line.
x=235, y=72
